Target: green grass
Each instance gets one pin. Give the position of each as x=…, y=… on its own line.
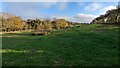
x=87, y=45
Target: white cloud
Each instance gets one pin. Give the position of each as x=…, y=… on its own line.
x=81, y=18
x=31, y=15
x=30, y=5
x=32, y=9
x=103, y=10
x=61, y=16
x=84, y=18
x=25, y=10
x=93, y=7
x=98, y=8
x=37, y=5
x=62, y=5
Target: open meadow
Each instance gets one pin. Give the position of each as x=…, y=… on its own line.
x=87, y=45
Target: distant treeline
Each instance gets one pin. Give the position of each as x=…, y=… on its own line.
x=15, y=23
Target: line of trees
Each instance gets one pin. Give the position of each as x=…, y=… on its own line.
x=38, y=24
x=15, y=23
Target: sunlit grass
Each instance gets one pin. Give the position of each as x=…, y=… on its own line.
x=114, y=27
x=87, y=45
x=16, y=51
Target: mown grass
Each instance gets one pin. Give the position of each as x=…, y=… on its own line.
x=87, y=45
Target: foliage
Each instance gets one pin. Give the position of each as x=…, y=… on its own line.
x=12, y=23
x=47, y=24
x=61, y=23
x=111, y=16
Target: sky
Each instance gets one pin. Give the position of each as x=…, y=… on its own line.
x=83, y=12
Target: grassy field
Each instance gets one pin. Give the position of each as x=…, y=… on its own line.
x=87, y=45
